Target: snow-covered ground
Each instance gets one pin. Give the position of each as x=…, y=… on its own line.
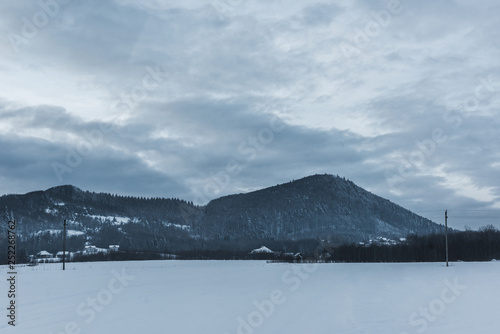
x=193, y=297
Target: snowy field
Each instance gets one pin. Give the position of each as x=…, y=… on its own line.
x=194, y=297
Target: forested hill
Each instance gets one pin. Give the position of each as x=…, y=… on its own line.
x=324, y=206
x=317, y=205
x=40, y=210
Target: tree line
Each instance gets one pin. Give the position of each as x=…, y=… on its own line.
x=481, y=245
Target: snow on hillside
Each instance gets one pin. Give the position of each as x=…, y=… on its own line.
x=218, y=297
x=51, y=211
x=116, y=220
x=182, y=227
x=69, y=233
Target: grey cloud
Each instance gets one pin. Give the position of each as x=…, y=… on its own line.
x=225, y=78
x=320, y=13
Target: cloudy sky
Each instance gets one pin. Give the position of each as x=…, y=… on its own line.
x=197, y=99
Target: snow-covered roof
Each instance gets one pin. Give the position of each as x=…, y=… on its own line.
x=43, y=253
x=60, y=253
x=262, y=249
x=91, y=249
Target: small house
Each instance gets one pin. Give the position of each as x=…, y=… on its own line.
x=114, y=248
x=59, y=255
x=44, y=255
x=91, y=249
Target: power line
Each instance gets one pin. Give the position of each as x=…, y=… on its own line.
x=429, y=211
x=486, y=210
x=463, y=217
x=461, y=210
x=475, y=217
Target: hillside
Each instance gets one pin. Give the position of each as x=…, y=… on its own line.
x=324, y=206
x=318, y=205
x=83, y=209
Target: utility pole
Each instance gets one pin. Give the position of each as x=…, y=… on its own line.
x=446, y=233
x=64, y=246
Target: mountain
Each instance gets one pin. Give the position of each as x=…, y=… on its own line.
x=324, y=206
x=134, y=223
x=40, y=210
x=318, y=205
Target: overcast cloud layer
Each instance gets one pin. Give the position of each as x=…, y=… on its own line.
x=198, y=99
